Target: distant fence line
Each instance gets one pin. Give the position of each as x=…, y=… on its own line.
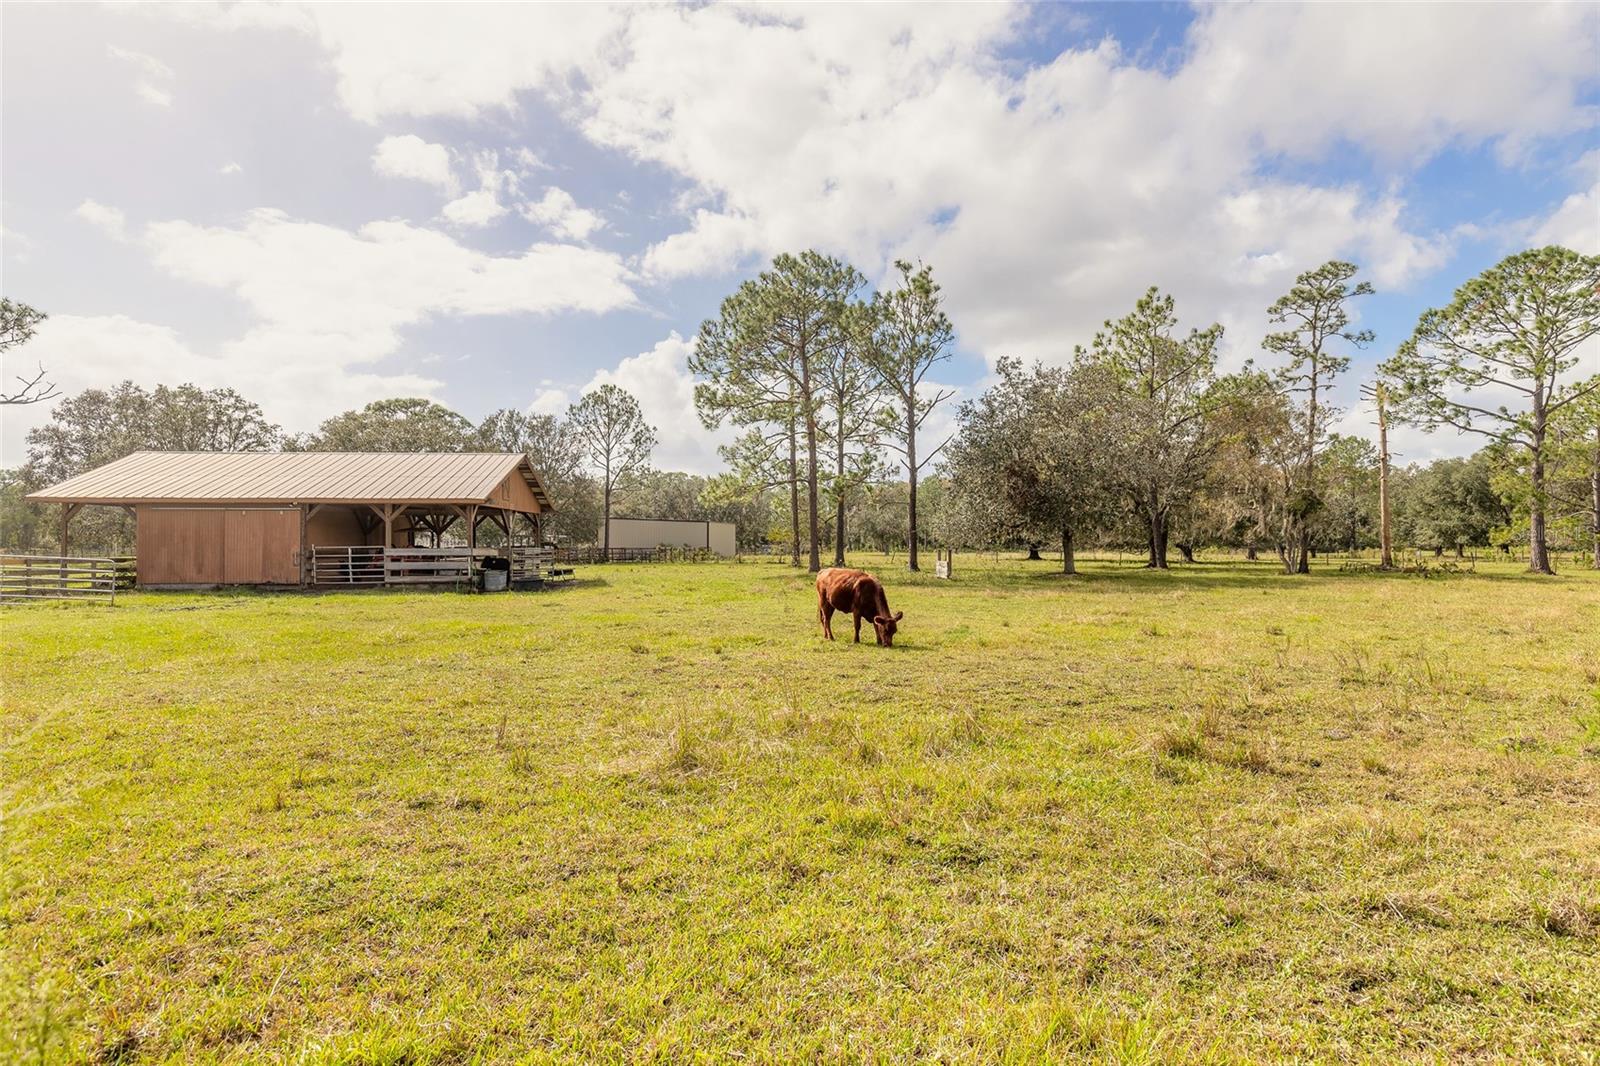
x=590, y=556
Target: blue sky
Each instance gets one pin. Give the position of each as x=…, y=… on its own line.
x=505, y=205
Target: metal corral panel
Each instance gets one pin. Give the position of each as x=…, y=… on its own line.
x=306, y=477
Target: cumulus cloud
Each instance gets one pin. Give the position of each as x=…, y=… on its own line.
x=660, y=380
x=409, y=156
x=1575, y=224
x=362, y=287
x=559, y=213
x=108, y=220
x=294, y=386
x=230, y=168
x=474, y=209
x=482, y=207
x=1046, y=195
x=329, y=306
x=550, y=401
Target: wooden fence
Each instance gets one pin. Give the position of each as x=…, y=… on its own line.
x=60, y=577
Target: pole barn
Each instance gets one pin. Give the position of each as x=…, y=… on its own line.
x=304, y=518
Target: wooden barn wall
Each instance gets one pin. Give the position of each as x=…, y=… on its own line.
x=218, y=545
x=179, y=545
x=337, y=525
x=514, y=493
x=261, y=546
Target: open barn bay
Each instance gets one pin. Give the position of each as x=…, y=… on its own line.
x=1214, y=815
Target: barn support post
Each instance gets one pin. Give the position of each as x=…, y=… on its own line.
x=472, y=526
x=67, y=511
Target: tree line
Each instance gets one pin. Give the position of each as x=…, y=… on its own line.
x=1136, y=440
x=593, y=459
x=1140, y=437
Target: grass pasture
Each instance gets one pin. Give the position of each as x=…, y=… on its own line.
x=1212, y=815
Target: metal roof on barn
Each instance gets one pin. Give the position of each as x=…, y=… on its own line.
x=297, y=477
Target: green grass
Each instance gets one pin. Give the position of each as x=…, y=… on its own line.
x=1213, y=815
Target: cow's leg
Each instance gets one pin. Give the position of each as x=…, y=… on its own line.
x=825, y=615
x=858, y=627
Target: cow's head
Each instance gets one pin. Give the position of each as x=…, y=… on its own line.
x=886, y=627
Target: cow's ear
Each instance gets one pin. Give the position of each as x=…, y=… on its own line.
x=880, y=620
x=899, y=615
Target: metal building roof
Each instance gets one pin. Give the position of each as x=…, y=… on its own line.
x=296, y=477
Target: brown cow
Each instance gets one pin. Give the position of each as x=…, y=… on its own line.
x=859, y=593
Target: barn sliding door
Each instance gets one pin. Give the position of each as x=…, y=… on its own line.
x=261, y=546
x=180, y=546
x=219, y=545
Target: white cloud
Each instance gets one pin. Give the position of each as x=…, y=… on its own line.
x=108, y=220
x=660, y=380
x=480, y=208
x=712, y=244
x=550, y=402
x=230, y=168
x=1046, y=196
x=558, y=212
x=474, y=209
x=409, y=156
x=527, y=161
x=155, y=79
x=418, y=60
x=329, y=306
x=363, y=287
x=97, y=351
x=1575, y=224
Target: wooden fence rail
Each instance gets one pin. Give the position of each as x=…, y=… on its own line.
x=58, y=577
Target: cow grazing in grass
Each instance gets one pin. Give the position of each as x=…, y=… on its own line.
x=858, y=593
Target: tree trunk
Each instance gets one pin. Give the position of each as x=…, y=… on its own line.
x=1033, y=553
x=911, y=470
x=1187, y=550
x=1385, y=539
x=1304, y=566
x=1538, y=550
x=1158, y=541
x=1594, y=499
x=1250, y=552
x=813, y=517
x=1460, y=553
x=1069, y=565
x=605, y=521
x=794, y=494
x=838, y=485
